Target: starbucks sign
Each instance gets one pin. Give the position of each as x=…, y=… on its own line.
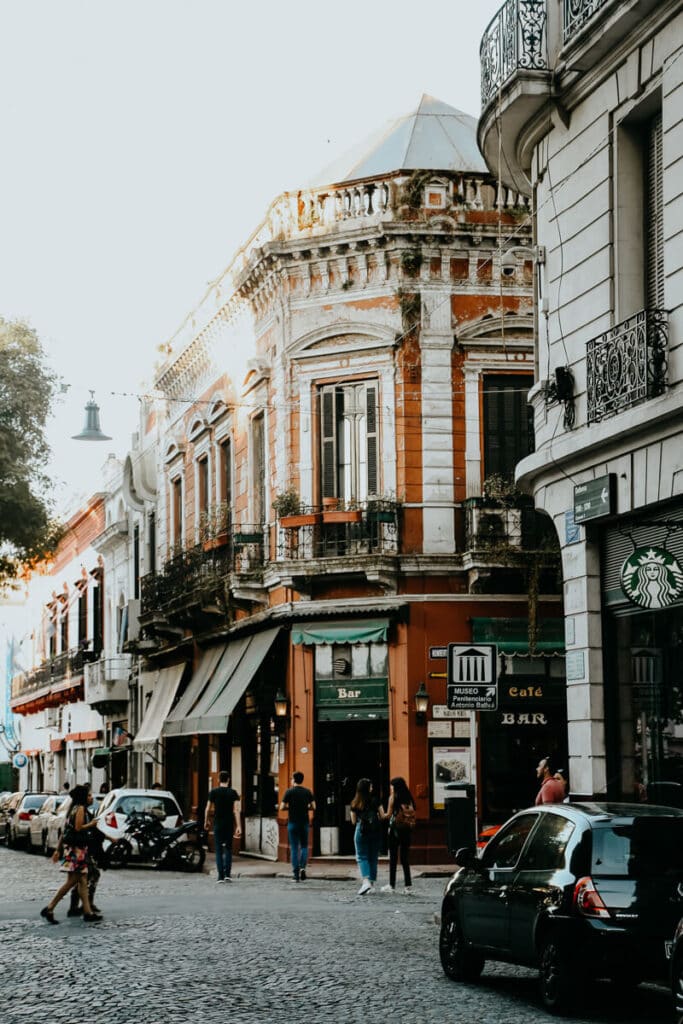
x=652, y=578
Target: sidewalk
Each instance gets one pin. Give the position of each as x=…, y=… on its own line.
x=329, y=869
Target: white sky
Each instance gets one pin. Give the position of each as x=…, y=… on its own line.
x=143, y=141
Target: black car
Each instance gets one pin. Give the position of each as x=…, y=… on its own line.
x=581, y=891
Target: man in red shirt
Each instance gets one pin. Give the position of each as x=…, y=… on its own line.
x=552, y=790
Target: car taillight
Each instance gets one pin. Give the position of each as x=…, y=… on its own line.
x=588, y=900
x=24, y=816
x=111, y=821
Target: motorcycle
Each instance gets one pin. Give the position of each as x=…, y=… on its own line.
x=170, y=848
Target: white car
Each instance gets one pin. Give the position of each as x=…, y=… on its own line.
x=119, y=804
x=46, y=826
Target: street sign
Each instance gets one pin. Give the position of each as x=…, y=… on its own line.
x=438, y=652
x=595, y=498
x=20, y=760
x=472, y=677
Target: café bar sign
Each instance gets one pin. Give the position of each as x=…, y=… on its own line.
x=652, y=578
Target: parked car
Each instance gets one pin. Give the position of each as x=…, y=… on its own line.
x=5, y=815
x=118, y=804
x=54, y=807
x=56, y=820
x=580, y=891
x=22, y=812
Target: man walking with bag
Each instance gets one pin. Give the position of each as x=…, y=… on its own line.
x=299, y=803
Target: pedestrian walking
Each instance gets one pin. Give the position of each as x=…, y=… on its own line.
x=401, y=816
x=75, y=858
x=366, y=815
x=94, y=840
x=552, y=789
x=223, y=804
x=299, y=803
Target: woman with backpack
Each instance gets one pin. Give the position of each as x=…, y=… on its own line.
x=401, y=815
x=366, y=815
x=75, y=857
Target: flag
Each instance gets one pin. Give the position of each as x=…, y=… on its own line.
x=119, y=736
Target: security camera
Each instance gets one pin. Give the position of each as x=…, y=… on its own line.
x=508, y=264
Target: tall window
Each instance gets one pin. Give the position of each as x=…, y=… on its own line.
x=258, y=443
x=64, y=610
x=177, y=510
x=82, y=615
x=226, y=472
x=508, y=430
x=349, y=435
x=203, y=485
x=98, y=610
x=152, y=542
x=654, y=215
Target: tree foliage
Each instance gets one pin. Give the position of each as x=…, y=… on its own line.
x=28, y=530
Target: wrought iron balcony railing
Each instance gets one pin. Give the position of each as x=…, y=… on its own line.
x=515, y=40
x=577, y=13
x=627, y=365
x=203, y=571
x=50, y=673
x=369, y=528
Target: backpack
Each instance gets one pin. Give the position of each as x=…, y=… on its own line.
x=404, y=818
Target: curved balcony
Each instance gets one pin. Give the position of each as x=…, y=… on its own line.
x=515, y=84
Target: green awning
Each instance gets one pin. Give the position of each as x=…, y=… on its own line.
x=512, y=635
x=362, y=631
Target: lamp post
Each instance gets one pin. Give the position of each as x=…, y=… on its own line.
x=91, y=429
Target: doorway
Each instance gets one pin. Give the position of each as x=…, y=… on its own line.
x=346, y=752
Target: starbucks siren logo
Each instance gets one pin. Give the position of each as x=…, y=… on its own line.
x=652, y=578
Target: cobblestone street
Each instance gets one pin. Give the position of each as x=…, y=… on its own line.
x=178, y=948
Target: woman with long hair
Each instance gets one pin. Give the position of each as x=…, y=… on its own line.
x=75, y=857
x=365, y=815
x=401, y=815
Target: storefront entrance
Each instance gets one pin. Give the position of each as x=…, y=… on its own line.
x=346, y=752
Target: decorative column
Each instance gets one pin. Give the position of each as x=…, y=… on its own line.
x=436, y=344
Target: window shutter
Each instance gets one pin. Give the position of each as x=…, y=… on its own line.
x=372, y=429
x=328, y=439
x=258, y=438
x=654, y=217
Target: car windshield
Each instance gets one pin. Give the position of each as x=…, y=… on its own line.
x=35, y=801
x=129, y=804
x=643, y=848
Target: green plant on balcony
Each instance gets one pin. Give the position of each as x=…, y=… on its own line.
x=410, y=305
x=214, y=524
x=501, y=491
x=413, y=191
x=287, y=503
x=411, y=261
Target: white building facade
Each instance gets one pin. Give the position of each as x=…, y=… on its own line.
x=582, y=108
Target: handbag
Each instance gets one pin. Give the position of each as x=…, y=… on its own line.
x=404, y=818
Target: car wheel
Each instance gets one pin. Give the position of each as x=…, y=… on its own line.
x=558, y=976
x=190, y=856
x=119, y=853
x=459, y=963
x=45, y=848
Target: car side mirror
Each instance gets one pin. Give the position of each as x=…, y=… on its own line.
x=464, y=857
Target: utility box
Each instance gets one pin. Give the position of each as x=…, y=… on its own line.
x=461, y=816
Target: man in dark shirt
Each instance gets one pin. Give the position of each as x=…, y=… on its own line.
x=224, y=804
x=299, y=803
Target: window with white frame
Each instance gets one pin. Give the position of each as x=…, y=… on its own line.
x=349, y=440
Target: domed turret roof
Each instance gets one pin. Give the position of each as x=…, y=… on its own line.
x=434, y=136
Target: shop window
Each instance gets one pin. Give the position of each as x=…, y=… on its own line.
x=349, y=432
x=351, y=661
x=508, y=425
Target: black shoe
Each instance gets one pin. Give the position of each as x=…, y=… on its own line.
x=74, y=911
x=92, y=917
x=295, y=876
x=302, y=874
x=49, y=916
x=95, y=910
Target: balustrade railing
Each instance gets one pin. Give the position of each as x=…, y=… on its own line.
x=368, y=528
x=627, y=364
x=577, y=13
x=515, y=40
x=56, y=670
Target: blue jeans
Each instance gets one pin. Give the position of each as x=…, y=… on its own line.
x=298, y=845
x=223, y=843
x=367, y=853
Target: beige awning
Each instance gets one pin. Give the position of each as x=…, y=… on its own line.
x=159, y=705
x=237, y=668
x=208, y=663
